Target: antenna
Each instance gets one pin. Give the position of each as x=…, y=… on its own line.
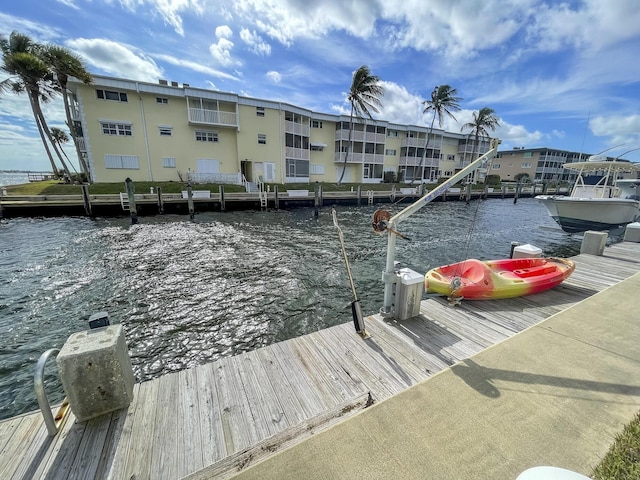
x=610, y=148
x=628, y=151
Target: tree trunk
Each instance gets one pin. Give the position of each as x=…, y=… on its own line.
x=45, y=127
x=424, y=154
x=346, y=154
x=42, y=136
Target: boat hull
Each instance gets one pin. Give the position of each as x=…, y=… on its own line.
x=494, y=279
x=576, y=215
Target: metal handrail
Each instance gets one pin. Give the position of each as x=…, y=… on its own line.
x=53, y=424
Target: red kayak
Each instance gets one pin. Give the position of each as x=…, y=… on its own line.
x=487, y=280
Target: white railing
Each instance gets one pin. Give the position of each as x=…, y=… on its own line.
x=353, y=157
x=360, y=136
x=212, y=117
x=224, y=178
x=420, y=142
x=81, y=144
x=298, y=153
x=373, y=158
x=415, y=161
x=296, y=128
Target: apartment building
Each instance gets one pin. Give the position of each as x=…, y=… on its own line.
x=169, y=131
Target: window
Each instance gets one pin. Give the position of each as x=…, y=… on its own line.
x=392, y=133
x=262, y=139
x=169, y=162
x=495, y=166
x=316, y=169
x=165, y=131
x=205, y=136
x=260, y=111
x=121, y=129
x=526, y=165
x=316, y=124
x=297, y=168
x=527, y=155
x=122, y=161
x=390, y=151
x=451, y=157
x=162, y=100
x=111, y=95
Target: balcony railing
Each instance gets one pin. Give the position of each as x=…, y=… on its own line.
x=360, y=136
x=81, y=144
x=212, y=117
x=297, y=153
x=296, y=128
x=339, y=157
x=419, y=142
x=415, y=161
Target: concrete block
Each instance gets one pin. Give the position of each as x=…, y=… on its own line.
x=527, y=251
x=594, y=242
x=95, y=371
x=632, y=232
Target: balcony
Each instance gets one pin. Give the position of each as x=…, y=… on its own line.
x=81, y=144
x=360, y=136
x=219, y=118
x=419, y=142
x=297, y=153
x=353, y=158
x=415, y=161
x=296, y=128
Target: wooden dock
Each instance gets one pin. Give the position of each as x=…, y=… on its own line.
x=230, y=413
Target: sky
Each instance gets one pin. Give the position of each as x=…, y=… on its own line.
x=562, y=75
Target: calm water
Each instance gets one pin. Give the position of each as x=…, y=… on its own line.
x=12, y=178
x=190, y=292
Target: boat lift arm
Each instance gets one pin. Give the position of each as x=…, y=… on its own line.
x=388, y=276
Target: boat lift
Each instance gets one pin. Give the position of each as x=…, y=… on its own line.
x=389, y=276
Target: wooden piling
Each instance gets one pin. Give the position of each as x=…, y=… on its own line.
x=316, y=199
x=517, y=192
x=359, y=194
x=133, y=211
x=504, y=191
x=222, y=205
x=160, y=201
x=276, y=198
x=190, y=201
x=87, y=200
x=468, y=192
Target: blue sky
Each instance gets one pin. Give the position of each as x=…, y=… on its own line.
x=562, y=75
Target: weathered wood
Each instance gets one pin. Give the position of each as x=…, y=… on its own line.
x=224, y=415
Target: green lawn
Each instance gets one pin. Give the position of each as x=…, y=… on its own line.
x=53, y=187
x=622, y=461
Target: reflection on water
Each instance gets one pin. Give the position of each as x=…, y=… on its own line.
x=190, y=292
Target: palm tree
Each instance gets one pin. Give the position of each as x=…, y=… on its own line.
x=59, y=137
x=364, y=97
x=65, y=64
x=484, y=119
x=28, y=73
x=443, y=101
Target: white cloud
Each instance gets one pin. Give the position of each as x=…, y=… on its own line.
x=117, y=59
x=224, y=31
x=255, y=43
x=170, y=10
x=221, y=51
x=194, y=66
x=68, y=3
x=274, y=76
x=620, y=129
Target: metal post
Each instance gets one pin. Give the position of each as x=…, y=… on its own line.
x=190, y=201
x=133, y=212
x=87, y=200
x=160, y=201
x=388, y=276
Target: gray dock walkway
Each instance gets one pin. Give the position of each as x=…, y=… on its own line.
x=223, y=417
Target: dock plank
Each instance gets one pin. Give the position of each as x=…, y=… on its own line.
x=236, y=410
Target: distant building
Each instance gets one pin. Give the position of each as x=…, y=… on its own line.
x=166, y=131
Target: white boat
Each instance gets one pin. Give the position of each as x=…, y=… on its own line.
x=598, y=200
